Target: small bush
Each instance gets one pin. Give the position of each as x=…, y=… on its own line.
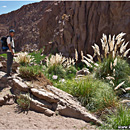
x=120, y=72
x=23, y=102
x=30, y=72
x=70, y=72
x=104, y=69
x=121, y=117
x=56, y=70
x=94, y=94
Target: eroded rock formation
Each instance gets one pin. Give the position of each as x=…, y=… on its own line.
x=65, y=26
x=47, y=100
x=69, y=25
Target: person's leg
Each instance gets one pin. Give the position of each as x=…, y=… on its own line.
x=9, y=62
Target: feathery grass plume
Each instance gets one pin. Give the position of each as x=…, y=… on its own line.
x=111, y=82
x=123, y=47
x=119, y=36
x=111, y=66
x=119, y=45
x=112, y=48
x=58, y=59
x=115, y=62
x=94, y=51
x=127, y=89
x=126, y=52
x=23, y=58
x=76, y=55
x=111, y=43
x=104, y=41
x=87, y=63
x=82, y=54
x=97, y=49
x=118, y=86
x=113, y=54
x=110, y=77
x=89, y=60
x=90, y=57
x=106, y=50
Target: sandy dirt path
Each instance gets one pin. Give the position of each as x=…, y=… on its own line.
x=10, y=119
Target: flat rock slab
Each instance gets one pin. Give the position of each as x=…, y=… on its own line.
x=20, y=85
x=43, y=94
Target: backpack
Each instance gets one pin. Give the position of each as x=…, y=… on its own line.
x=4, y=43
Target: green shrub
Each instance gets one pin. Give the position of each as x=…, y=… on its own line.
x=104, y=69
x=93, y=94
x=30, y=72
x=37, y=56
x=23, y=102
x=56, y=70
x=121, y=117
x=70, y=72
x=121, y=73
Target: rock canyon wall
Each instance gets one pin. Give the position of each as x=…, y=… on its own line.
x=69, y=25
x=66, y=26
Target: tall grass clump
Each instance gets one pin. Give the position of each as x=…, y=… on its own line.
x=24, y=59
x=61, y=66
x=30, y=72
x=23, y=102
x=118, y=119
x=94, y=94
x=111, y=65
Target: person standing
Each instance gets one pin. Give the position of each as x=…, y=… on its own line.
x=10, y=51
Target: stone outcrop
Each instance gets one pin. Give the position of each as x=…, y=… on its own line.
x=48, y=100
x=67, y=26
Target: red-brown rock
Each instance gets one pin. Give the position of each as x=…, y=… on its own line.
x=70, y=25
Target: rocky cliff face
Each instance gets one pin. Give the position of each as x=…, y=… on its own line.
x=69, y=25
x=66, y=26
x=24, y=21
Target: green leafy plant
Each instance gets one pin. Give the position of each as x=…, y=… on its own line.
x=23, y=102
x=70, y=72
x=30, y=72
x=38, y=56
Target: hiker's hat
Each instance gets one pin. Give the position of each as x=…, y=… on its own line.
x=12, y=30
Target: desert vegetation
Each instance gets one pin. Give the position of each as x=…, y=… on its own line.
x=100, y=85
